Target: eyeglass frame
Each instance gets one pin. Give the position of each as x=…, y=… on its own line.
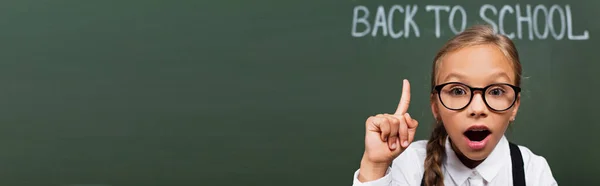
x=438, y=89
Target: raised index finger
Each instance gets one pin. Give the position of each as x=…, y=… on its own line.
x=404, y=98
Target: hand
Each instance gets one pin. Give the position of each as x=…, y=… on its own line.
x=387, y=135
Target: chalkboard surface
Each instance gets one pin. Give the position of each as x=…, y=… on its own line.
x=115, y=93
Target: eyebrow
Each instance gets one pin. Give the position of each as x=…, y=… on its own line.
x=497, y=75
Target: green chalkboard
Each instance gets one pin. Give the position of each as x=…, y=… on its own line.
x=116, y=93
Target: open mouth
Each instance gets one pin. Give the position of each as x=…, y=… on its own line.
x=477, y=133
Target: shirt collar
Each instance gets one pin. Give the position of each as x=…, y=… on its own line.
x=488, y=169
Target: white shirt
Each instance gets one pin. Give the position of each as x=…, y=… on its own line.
x=496, y=169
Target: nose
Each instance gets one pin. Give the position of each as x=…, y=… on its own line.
x=477, y=108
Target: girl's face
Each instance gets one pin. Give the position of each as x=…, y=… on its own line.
x=475, y=129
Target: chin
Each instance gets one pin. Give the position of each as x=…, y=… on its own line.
x=477, y=156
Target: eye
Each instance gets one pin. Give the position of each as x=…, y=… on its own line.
x=497, y=91
x=457, y=91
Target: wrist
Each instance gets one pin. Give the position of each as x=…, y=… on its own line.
x=370, y=171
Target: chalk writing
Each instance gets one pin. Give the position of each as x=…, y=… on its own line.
x=533, y=22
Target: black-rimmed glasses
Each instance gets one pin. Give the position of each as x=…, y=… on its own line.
x=497, y=97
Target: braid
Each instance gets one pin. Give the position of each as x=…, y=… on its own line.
x=435, y=156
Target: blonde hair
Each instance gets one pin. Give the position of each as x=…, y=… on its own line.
x=475, y=35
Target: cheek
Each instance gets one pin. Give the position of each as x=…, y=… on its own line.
x=501, y=120
x=453, y=120
x=446, y=115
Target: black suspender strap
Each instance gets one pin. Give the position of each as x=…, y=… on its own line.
x=518, y=172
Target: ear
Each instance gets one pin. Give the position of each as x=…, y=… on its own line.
x=434, y=108
x=515, y=108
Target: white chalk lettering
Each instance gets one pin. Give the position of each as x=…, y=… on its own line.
x=550, y=22
x=436, y=9
x=362, y=20
x=505, y=9
x=535, y=21
x=485, y=18
x=463, y=13
x=409, y=21
x=585, y=35
x=380, y=22
x=521, y=19
x=390, y=19
x=531, y=22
